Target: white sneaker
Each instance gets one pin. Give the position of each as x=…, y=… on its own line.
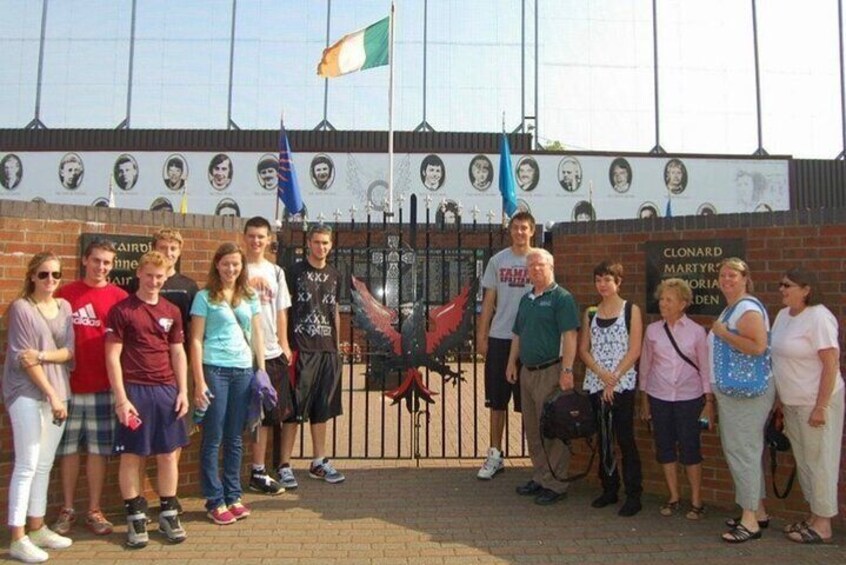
x=26, y=551
x=492, y=465
x=47, y=538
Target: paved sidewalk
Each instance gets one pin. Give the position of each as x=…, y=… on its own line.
x=391, y=512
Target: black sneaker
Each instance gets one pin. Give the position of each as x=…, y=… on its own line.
x=529, y=489
x=546, y=497
x=136, y=531
x=171, y=527
x=630, y=507
x=261, y=482
x=605, y=499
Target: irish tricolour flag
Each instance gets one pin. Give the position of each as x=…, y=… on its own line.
x=362, y=49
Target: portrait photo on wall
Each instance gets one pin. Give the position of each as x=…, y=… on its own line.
x=38, y=200
x=11, y=171
x=267, y=171
x=481, y=172
x=71, y=171
x=322, y=171
x=101, y=202
x=432, y=172
x=227, y=207
x=647, y=210
x=751, y=188
x=620, y=175
x=527, y=172
x=570, y=174
x=448, y=213
x=523, y=206
x=706, y=209
x=125, y=171
x=675, y=176
x=175, y=172
x=220, y=171
x=583, y=212
x=161, y=204
x=377, y=195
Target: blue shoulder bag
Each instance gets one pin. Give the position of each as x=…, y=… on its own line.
x=738, y=374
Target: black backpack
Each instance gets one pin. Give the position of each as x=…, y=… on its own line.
x=568, y=415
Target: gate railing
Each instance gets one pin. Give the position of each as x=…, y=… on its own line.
x=400, y=262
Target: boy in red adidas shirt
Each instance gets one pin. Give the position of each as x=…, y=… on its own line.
x=91, y=419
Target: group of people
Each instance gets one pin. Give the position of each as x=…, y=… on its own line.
x=90, y=367
x=530, y=333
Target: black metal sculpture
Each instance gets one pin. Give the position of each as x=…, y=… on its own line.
x=420, y=341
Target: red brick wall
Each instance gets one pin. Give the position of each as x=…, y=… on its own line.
x=774, y=243
x=27, y=228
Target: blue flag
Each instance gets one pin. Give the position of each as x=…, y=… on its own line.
x=668, y=213
x=289, y=189
x=506, y=178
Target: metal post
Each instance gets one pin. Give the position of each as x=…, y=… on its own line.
x=657, y=149
x=760, y=150
x=522, y=66
x=325, y=124
x=842, y=78
x=229, y=123
x=125, y=124
x=537, y=80
x=36, y=122
x=424, y=125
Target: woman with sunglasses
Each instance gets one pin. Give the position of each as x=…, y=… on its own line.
x=35, y=391
x=806, y=368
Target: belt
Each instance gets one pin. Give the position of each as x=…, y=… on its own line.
x=543, y=366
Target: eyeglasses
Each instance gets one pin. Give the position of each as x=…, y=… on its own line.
x=57, y=275
x=783, y=284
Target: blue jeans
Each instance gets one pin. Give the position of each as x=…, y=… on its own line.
x=224, y=422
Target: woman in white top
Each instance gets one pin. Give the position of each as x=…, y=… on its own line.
x=609, y=346
x=806, y=367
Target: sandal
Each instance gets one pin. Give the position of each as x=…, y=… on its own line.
x=696, y=512
x=670, y=508
x=763, y=524
x=740, y=534
x=796, y=526
x=807, y=535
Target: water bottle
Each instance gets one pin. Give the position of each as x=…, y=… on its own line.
x=200, y=411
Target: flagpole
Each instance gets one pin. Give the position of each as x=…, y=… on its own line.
x=276, y=220
x=504, y=213
x=390, y=211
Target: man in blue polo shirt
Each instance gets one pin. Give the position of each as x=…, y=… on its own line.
x=545, y=341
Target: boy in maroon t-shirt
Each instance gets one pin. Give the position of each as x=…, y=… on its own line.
x=148, y=372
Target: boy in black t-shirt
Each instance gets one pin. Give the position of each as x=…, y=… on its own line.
x=314, y=328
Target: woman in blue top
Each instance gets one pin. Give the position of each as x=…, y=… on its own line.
x=225, y=336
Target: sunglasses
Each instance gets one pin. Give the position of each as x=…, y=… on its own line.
x=57, y=275
x=783, y=284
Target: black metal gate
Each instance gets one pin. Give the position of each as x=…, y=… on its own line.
x=402, y=261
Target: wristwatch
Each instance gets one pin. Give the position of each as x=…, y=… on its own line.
x=40, y=356
x=567, y=370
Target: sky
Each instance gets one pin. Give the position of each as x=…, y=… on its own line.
x=595, y=69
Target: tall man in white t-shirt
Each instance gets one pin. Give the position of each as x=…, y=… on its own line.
x=505, y=281
x=268, y=280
